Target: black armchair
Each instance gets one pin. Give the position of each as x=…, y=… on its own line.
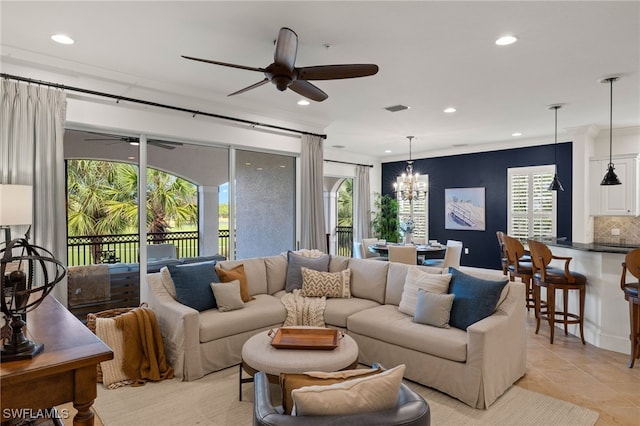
x=410, y=410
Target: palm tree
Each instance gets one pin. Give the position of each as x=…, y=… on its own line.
x=103, y=199
x=345, y=203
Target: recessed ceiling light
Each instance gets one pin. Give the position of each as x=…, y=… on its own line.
x=387, y=151
x=303, y=102
x=506, y=40
x=282, y=166
x=516, y=134
x=247, y=164
x=134, y=143
x=62, y=39
x=449, y=110
x=259, y=168
x=131, y=158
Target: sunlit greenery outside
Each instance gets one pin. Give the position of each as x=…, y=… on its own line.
x=345, y=203
x=103, y=200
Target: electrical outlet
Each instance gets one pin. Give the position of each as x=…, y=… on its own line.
x=615, y=231
x=466, y=250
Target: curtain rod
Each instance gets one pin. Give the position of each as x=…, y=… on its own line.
x=119, y=98
x=346, y=162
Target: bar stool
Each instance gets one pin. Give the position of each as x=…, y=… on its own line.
x=632, y=264
x=519, y=265
x=556, y=279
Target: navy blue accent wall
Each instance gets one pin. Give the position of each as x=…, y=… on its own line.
x=488, y=170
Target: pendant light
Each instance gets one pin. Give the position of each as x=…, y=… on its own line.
x=555, y=183
x=610, y=178
x=410, y=187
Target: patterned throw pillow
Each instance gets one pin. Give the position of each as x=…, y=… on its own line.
x=327, y=284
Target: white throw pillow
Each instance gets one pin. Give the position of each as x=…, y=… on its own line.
x=416, y=279
x=167, y=282
x=227, y=295
x=368, y=394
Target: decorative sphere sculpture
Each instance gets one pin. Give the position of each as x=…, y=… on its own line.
x=22, y=290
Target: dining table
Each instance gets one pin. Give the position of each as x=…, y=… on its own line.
x=426, y=251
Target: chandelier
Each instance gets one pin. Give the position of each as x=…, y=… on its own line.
x=408, y=186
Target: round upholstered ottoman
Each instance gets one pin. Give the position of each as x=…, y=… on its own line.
x=259, y=355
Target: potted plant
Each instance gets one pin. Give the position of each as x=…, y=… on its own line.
x=385, y=218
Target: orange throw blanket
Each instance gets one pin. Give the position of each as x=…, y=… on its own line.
x=144, y=357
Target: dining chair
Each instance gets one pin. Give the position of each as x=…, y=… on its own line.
x=451, y=256
x=504, y=262
x=368, y=254
x=403, y=254
x=632, y=264
x=554, y=279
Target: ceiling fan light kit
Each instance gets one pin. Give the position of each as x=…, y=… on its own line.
x=284, y=74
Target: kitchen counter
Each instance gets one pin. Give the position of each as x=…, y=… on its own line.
x=595, y=247
x=606, y=323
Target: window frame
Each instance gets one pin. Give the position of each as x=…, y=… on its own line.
x=533, y=199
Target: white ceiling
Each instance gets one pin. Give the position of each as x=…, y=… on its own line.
x=431, y=55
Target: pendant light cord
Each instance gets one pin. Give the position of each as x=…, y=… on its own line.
x=555, y=148
x=611, y=120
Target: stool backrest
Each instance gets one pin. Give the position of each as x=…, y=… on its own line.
x=515, y=250
x=632, y=263
x=540, y=254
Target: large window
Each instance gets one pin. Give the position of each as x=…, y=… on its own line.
x=532, y=207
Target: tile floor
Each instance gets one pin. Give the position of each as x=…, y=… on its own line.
x=582, y=374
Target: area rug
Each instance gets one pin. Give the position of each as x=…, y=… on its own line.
x=213, y=400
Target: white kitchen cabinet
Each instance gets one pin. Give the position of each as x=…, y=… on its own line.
x=615, y=200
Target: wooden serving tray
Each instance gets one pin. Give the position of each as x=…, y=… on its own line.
x=305, y=338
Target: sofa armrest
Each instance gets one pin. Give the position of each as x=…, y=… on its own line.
x=179, y=325
x=496, y=346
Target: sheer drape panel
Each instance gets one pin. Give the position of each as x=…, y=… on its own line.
x=31, y=153
x=312, y=201
x=362, y=204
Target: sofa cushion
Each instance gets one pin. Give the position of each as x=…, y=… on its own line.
x=388, y=324
x=291, y=381
x=255, y=271
x=228, y=295
x=417, y=279
x=337, y=311
x=276, y=273
x=338, y=263
x=297, y=261
x=236, y=274
x=368, y=279
x=432, y=308
x=475, y=298
x=264, y=311
x=326, y=284
x=363, y=395
x=192, y=284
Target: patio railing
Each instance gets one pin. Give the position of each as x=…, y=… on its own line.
x=344, y=235
x=89, y=249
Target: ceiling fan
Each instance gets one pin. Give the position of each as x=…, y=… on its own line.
x=136, y=141
x=283, y=73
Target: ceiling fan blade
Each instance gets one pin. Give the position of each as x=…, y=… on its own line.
x=335, y=72
x=286, y=48
x=308, y=90
x=224, y=64
x=253, y=86
x=162, y=144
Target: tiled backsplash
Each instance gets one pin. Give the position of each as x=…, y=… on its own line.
x=629, y=229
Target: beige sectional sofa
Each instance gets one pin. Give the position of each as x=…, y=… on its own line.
x=476, y=366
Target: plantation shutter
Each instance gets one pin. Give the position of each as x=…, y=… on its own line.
x=532, y=207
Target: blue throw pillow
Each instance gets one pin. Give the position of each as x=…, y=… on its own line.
x=193, y=284
x=475, y=298
x=297, y=261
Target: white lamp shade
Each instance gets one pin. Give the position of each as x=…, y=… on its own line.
x=16, y=205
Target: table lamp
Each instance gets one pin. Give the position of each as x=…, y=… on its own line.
x=28, y=273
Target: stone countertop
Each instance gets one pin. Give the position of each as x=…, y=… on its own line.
x=595, y=247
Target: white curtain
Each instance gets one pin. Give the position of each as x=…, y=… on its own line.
x=312, y=200
x=31, y=153
x=362, y=205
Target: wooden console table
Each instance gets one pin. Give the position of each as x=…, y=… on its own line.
x=65, y=371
